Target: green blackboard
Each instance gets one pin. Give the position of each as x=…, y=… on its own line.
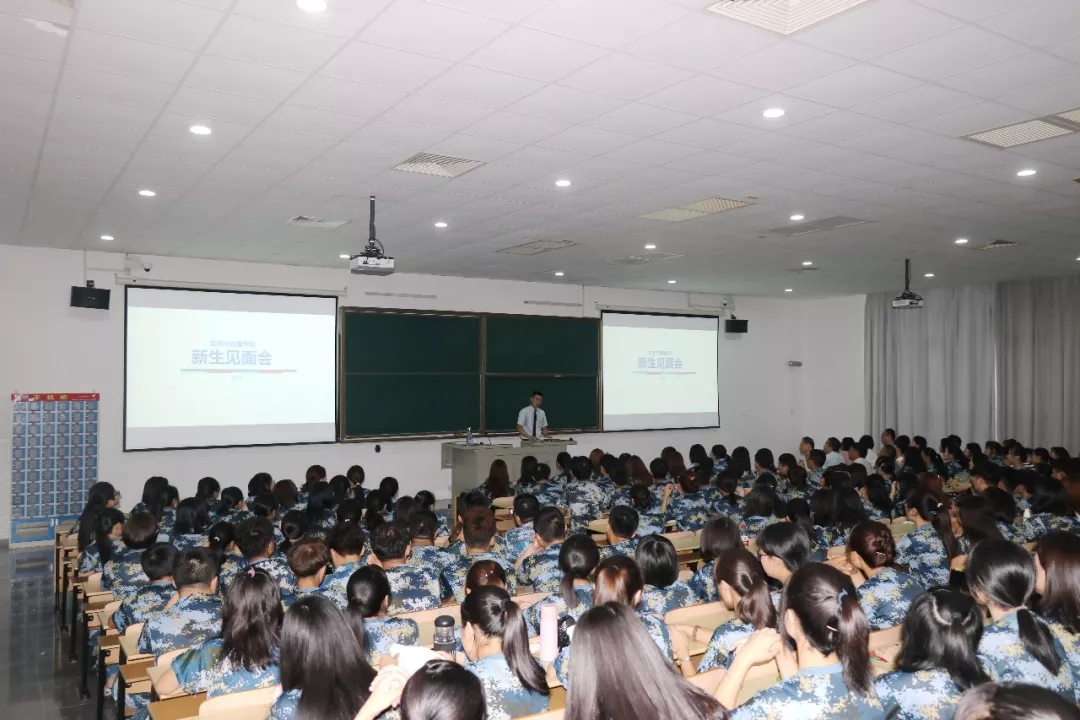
x=407, y=373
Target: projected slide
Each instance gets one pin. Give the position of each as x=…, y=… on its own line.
x=659, y=371
x=206, y=369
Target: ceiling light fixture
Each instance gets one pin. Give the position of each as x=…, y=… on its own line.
x=797, y=217
x=107, y=237
x=773, y=113
x=147, y=193
x=807, y=263
x=961, y=241
x=200, y=130
x=929, y=275
x=440, y=224
x=560, y=273
x=788, y=290
x=1028, y=172
x=650, y=246
x=311, y=6
x=670, y=282
x=345, y=256
x=562, y=183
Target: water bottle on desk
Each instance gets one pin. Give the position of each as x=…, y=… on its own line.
x=468, y=437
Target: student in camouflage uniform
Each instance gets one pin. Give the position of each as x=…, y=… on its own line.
x=348, y=556
x=411, y=588
x=123, y=574
x=369, y=599
x=255, y=538
x=246, y=655
x=495, y=641
x=586, y=498
x=189, y=527
x=107, y=530
x=621, y=532
x=309, y=561
x=937, y=659
x=783, y=548
x=538, y=566
x=886, y=593
x=578, y=559
x=520, y=537
x=466, y=502
x=479, y=535
x=659, y=564
x=689, y=503
x=158, y=562
x=829, y=675
x=323, y=670
x=717, y=537
x=423, y=527
x=196, y=615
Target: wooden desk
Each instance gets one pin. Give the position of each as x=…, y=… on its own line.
x=708, y=616
x=154, y=674
x=129, y=646
x=181, y=708
x=108, y=655
x=132, y=679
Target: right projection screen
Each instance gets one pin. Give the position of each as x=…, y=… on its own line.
x=659, y=371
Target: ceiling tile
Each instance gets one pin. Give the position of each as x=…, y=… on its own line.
x=29, y=73
x=290, y=143
x=474, y=148
x=509, y=10
x=167, y=22
x=625, y=76
x=514, y=127
x=853, y=85
x=821, y=157
x=611, y=23
x=213, y=105
x=98, y=112
x=244, y=38
x=400, y=135
x=176, y=125
x=692, y=42
x=293, y=118
x=84, y=82
x=1070, y=49
x=480, y=86
x=1046, y=99
x=603, y=168
x=889, y=139
x=264, y=160
x=953, y=52
x=432, y=30
x=835, y=126
x=877, y=28
x=652, y=152
x=641, y=119
x=704, y=95
x=95, y=135
x=18, y=36
x=796, y=111
x=972, y=10
x=128, y=57
x=917, y=102
x=565, y=104
x=534, y=54
x=976, y=118
x=708, y=133
x=782, y=65
x=25, y=102
x=244, y=78
x=543, y=158
x=53, y=12
x=344, y=19
x=343, y=96
x=1040, y=23
x=586, y=140
x=374, y=65
x=1013, y=75
x=710, y=163
x=767, y=146
x=346, y=156
x=435, y=113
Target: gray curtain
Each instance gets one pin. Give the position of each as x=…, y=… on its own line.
x=931, y=371
x=1039, y=366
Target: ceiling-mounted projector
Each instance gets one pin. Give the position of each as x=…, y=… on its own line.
x=372, y=260
x=907, y=300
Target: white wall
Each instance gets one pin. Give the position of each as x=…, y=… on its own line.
x=50, y=347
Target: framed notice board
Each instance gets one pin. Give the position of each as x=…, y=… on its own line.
x=422, y=373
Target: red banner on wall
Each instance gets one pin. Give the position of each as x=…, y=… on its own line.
x=53, y=397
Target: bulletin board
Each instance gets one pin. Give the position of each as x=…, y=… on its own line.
x=54, y=461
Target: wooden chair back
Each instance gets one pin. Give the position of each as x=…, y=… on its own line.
x=249, y=705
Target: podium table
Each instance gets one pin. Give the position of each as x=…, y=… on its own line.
x=469, y=464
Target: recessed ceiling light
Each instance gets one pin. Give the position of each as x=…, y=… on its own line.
x=200, y=130
x=440, y=224
x=562, y=183
x=650, y=246
x=807, y=263
x=344, y=256
x=797, y=217
x=788, y=290
x=1028, y=172
x=929, y=275
x=147, y=193
x=670, y=282
x=311, y=5
x=961, y=241
x=560, y=273
x=107, y=237
x=773, y=113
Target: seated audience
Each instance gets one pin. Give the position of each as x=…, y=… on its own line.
x=885, y=593
x=347, y=554
x=717, y=537
x=309, y=562
x=520, y=536
x=621, y=532
x=123, y=573
x=157, y=562
x=478, y=532
x=659, y=564
x=368, y=593
x=578, y=558
x=255, y=538
x=411, y=588
x=195, y=617
x=538, y=566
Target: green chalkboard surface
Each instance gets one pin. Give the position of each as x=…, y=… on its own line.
x=415, y=373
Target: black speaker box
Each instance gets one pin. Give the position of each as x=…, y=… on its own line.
x=89, y=297
x=737, y=327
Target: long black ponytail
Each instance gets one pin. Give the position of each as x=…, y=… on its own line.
x=100, y=495
x=490, y=610
x=578, y=558
x=106, y=520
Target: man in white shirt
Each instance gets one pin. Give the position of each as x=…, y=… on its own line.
x=531, y=421
x=832, y=453
x=867, y=443
x=855, y=453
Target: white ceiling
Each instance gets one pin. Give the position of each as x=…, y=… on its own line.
x=643, y=104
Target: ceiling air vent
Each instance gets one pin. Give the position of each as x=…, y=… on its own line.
x=535, y=247
x=997, y=245
x=642, y=259
x=803, y=270
x=805, y=228
x=438, y=165
x=1072, y=116
x=1020, y=133
x=315, y=223
x=783, y=16
x=708, y=206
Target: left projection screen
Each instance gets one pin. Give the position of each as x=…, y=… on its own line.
x=216, y=369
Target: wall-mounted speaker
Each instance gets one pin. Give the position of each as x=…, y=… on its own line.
x=736, y=326
x=90, y=297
